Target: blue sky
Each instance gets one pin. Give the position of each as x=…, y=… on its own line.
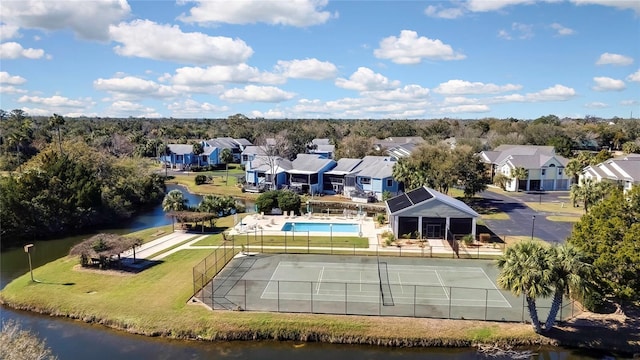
x=462, y=59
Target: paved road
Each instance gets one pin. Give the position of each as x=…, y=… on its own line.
x=521, y=220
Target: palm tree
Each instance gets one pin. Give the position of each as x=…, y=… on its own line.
x=524, y=269
x=570, y=274
x=197, y=151
x=16, y=139
x=589, y=192
x=402, y=171
x=57, y=121
x=174, y=201
x=519, y=173
x=226, y=157
x=573, y=169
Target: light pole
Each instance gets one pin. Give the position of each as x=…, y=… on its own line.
x=331, y=235
x=27, y=249
x=540, y=200
x=533, y=223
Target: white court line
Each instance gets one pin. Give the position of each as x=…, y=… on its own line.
x=494, y=286
x=271, y=279
x=400, y=282
x=319, y=281
x=442, y=284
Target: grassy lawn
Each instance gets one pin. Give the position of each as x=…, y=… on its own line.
x=155, y=302
x=511, y=240
x=563, y=218
x=150, y=234
x=556, y=208
x=495, y=216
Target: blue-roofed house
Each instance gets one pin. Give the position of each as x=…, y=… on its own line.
x=429, y=214
x=334, y=179
x=307, y=173
x=322, y=147
x=266, y=173
x=372, y=177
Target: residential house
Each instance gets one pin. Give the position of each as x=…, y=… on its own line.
x=334, y=179
x=322, y=147
x=236, y=146
x=250, y=152
x=181, y=157
x=307, y=173
x=391, y=142
x=372, y=177
x=623, y=170
x=545, y=169
x=266, y=172
x=430, y=214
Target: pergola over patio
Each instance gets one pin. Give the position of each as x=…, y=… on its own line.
x=428, y=214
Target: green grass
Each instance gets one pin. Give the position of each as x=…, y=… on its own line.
x=255, y=239
x=218, y=186
x=556, y=208
x=495, y=216
x=150, y=234
x=155, y=302
x=563, y=218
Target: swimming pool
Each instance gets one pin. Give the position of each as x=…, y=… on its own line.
x=320, y=227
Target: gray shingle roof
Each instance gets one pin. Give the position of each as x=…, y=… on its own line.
x=181, y=149
x=309, y=164
x=261, y=163
x=376, y=167
x=345, y=166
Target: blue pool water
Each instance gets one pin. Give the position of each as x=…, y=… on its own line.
x=320, y=227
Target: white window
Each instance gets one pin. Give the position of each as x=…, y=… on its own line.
x=389, y=182
x=560, y=172
x=544, y=171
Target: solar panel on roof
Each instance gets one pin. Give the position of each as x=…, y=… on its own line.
x=398, y=203
x=419, y=195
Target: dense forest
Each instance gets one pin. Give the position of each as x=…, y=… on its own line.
x=61, y=175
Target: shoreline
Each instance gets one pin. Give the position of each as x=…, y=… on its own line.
x=278, y=331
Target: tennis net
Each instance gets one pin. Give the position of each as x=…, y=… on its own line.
x=385, y=287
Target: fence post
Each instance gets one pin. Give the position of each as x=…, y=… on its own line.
x=415, y=290
x=450, y=296
x=311, y=293
x=486, y=303
x=245, y=295
x=523, y=308
x=346, y=312
x=278, y=294
x=285, y=242
x=308, y=250
x=261, y=241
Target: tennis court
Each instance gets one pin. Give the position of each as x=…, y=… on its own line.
x=441, y=288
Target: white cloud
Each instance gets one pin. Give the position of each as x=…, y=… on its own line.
x=407, y=93
x=635, y=77
x=493, y=5
x=253, y=93
x=408, y=48
x=122, y=108
x=269, y=114
x=300, y=13
x=632, y=102
x=554, y=93
x=614, y=59
x=191, y=108
x=56, y=102
x=8, y=31
x=307, y=69
x=200, y=79
x=518, y=30
x=561, y=30
x=87, y=19
x=13, y=50
x=444, y=13
x=147, y=39
x=619, y=4
x=465, y=109
x=596, y=105
x=130, y=86
x=10, y=89
x=6, y=78
x=461, y=87
x=364, y=79
x=603, y=83
x=459, y=100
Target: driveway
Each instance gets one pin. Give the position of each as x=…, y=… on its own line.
x=521, y=217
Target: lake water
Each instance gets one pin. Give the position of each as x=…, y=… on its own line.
x=75, y=340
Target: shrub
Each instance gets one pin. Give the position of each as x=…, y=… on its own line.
x=594, y=302
x=200, y=179
x=468, y=239
x=381, y=218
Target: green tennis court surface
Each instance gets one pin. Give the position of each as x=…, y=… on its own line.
x=441, y=288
